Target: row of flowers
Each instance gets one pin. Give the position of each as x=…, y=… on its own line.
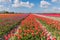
x=51, y=25
x=53, y=15
x=9, y=21
x=54, y=23
x=30, y=29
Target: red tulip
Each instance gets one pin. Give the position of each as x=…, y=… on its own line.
x=9, y=36
x=33, y=34
x=54, y=39
x=6, y=38
x=37, y=33
x=25, y=34
x=19, y=31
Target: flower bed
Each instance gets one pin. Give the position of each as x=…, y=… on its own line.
x=30, y=29
x=9, y=21
x=51, y=25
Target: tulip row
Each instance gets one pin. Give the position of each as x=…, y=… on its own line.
x=51, y=22
x=51, y=25
x=9, y=21
x=47, y=33
x=53, y=15
x=31, y=29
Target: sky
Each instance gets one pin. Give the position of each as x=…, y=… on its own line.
x=33, y=6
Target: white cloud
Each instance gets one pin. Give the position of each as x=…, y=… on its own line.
x=54, y=0
x=56, y=8
x=2, y=8
x=58, y=1
x=44, y=4
x=26, y=4
x=16, y=1
x=5, y=0
x=22, y=4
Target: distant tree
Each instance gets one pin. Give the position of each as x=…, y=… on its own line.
x=12, y=12
x=6, y=12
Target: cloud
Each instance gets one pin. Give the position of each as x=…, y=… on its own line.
x=56, y=9
x=44, y=4
x=22, y=4
x=57, y=1
x=16, y=1
x=5, y=0
x=54, y=0
x=2, y=8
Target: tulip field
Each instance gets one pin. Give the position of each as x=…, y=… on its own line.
x=9, y=22
x=29, y=27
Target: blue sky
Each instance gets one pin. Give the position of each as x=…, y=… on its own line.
x=27, y=6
